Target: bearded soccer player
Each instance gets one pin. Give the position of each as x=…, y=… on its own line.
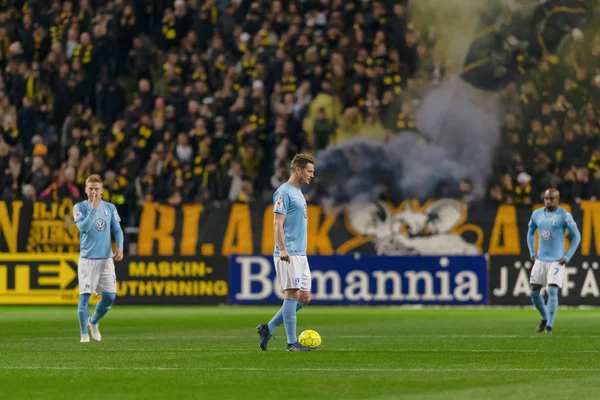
x=95, y=219
x=291, y=265
x=549, y=267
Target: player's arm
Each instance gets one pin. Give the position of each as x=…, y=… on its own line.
x=279, y=212
x=279, y=235
x=115, y=225
x=575, y=236
x=531, y=236
x=84, y=220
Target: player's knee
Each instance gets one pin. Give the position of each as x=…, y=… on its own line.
x=304, y=298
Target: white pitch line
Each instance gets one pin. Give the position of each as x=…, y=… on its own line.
x=119, y=337
x=363, y=350
x=225, y=369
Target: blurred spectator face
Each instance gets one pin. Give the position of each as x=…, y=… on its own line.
x=9, y=122
x=74, y=152
x=247, y=186
x=568, y=85
x=200, y=124
x=288, y=67
x=236, y=168
x=569, y=135
x=85, y=39
x=582, y=174
x=72, y=35
x=506, y=180
x=193, y=107
x=69, y=175
x=159, y=123
x=182, y=139
x=37, y=163
x=536, y=126
x=546, y=109
x=144, y=85
x=29, y=192
x=146, y=120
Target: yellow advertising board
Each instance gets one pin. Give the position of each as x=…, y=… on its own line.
x=27, y=278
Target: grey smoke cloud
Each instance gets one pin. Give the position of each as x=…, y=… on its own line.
x=461, y=125
x=458, y=123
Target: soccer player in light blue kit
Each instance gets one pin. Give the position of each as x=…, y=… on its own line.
x=291, y=265
x=96, y=270
x=549, y=267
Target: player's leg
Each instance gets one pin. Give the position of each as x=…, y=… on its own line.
x=107, y=285
x=83, y=313
x=305, y=284
x=296, y=290
x=537, y=280
x=88, y=275
x=303, y=299
x=265, y=331
x=555, y=277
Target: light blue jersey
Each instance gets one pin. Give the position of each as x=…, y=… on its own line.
x=94, y=226
x=552, y=227
x=289, y=201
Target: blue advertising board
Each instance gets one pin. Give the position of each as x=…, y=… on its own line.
x=364, y=279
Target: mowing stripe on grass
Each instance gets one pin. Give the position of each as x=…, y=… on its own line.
x=69, y=368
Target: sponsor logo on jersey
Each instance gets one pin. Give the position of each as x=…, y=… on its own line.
x=100, y=225
x=546, y=235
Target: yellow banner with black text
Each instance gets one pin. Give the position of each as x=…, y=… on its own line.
x=443, y=226
x=36, y=278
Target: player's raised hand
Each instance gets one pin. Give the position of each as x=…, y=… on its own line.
x=562, y=261
x=284, y=256
x=119, y=255
x=96, y=199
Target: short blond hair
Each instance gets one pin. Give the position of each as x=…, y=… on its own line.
x=302, y=160
x=94, y=178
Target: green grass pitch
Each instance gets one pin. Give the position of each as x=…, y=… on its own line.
x=367, y=353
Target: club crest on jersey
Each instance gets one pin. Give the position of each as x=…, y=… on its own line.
x=100, y=225
x=546, y=235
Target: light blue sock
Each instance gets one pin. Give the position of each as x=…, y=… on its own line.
x=289, y=319
x=538, y=302
x=552, y=304
x=103, y=306
x=278, y=318
x=83, y=312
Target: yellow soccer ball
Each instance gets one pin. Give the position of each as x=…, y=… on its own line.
x=310, y=339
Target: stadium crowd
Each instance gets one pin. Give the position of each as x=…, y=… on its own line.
x=198, y=100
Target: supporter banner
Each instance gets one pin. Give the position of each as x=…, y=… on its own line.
x=436, y=227
x=52, y=279
x=367, y=280
x=509, y=281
